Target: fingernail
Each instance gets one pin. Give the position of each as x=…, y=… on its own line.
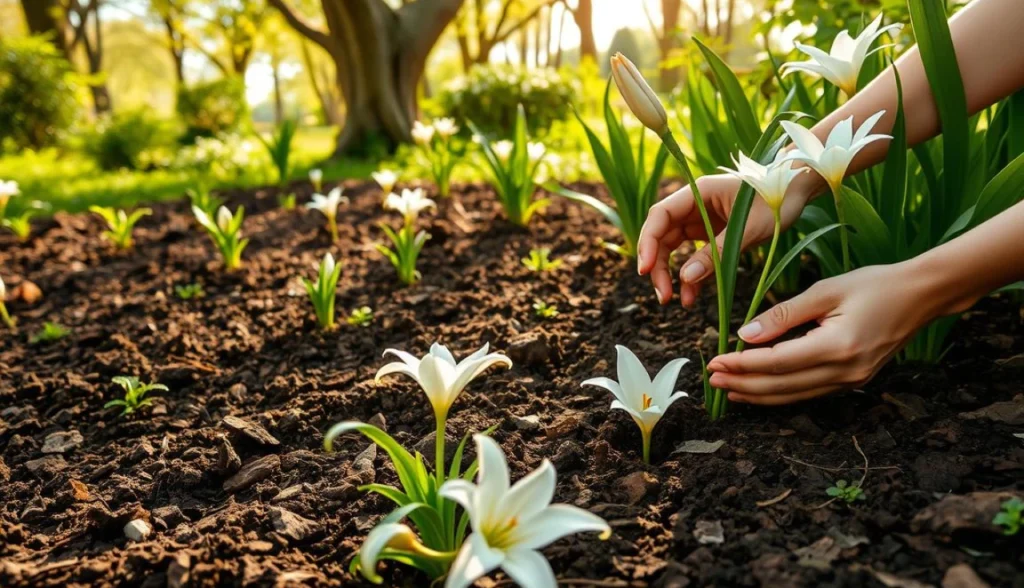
x=661, y=297
x=639, y=264
x=717, y=381
x=715, y=366
x=693, y=272
x=750, y=330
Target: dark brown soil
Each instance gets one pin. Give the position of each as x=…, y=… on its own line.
x=250, y=349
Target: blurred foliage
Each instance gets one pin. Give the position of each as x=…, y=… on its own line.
x=122, y=140
x=208, y=109
x=37, y=95
x=490, y=94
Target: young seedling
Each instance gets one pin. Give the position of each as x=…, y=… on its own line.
x=438, y=149
x=540, y=261
x=545, y=310
x=202, y=198
x=360, y=317
x=51, y=332
x=316, y=177
x=847, y=492
x=1010, y=517
x=513, y=167
x=189, y=291
x=279, y=148
x=323, y=291
x=643, y=399
x=3, y=307
x=328, y=206
x=226, y=234
x=287, y=201
x=21, y=224
x=8, y=190
x=407, y=241
x=120, y=224
x=134, y=394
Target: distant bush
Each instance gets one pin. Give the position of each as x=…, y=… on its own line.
x=212, y=108
x=37, y=100
x=124, y=140
x=489, y=95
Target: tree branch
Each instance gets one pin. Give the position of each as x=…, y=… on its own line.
x=500, y=37
x=299, y=24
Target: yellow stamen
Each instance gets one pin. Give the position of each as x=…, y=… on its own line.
x=647, y=401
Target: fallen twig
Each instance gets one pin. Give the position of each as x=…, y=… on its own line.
x=776, y=500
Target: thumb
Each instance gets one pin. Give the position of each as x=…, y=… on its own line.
x=809, y=306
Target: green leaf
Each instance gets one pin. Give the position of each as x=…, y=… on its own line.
x=795, y=251
x=405, y=464
x=737, y=106
x=871, y=242
x=894, y=178
x=607, y=211
x=1002, y=192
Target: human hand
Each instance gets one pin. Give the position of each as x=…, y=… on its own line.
x=864, y=318
x=676, y=219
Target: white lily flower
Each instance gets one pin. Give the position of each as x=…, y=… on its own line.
x=3, y=290
x=503, y=149
x=842, y=64
x=832, y=159
x=386, y=179
x=512, y=523
x=769, y=181
x=422, y=133
x=224, y=218
x=535, y=150
x=328, y=205
x=410, y=203
x=8, y=189
x=446, y=127
x=316, y=177
x=638, y=95
x=441, y=378
x=328, y=263
x=643, y=399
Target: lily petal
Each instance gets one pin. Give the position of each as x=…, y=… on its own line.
x=395, y=367
x=531, y=494
x=609, y=385
x=633, y=376
x=529, y=568
x=665, y=382
x=438, y=350
x=474, y=560
x=376, y=541
x=555, y=522
x=804, y=139
x=493, y=480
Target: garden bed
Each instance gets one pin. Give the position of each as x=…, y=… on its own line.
x=749, y=513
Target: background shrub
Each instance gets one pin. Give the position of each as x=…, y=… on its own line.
x=37, y=99
x=489, y=94
x=121, y=141
x=212, y=108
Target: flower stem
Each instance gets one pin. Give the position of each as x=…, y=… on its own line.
x=761, y=285
x=646, y=435
x=332, y=224
x=6, y=317
x=439, y=448
x=717, y=409
x=844, y=235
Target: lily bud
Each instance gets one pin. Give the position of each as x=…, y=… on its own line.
x=638, y=95
x=224, y=218
x=3, y=290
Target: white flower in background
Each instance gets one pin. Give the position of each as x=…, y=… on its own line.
x=3, y=290
x=638, y=95
x=386, y=179
x=441, y=378
x=511, y=523
x=446, y=127
x=316, y=177
x=422, y=133
x=535, y=151
x=409, y=204
x=841, y=65
x=832, y=159
x=769, y=181
x=8, y=189
x=224, y=218
x=643, y=399
x=329, y=204
x=503, y=149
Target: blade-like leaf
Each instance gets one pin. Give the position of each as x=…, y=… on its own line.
x=736, y=104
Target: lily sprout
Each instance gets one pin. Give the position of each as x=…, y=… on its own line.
x=21, y=224
x=328, y=206
x=316, y=177
x=189, y=291
x=511, y=523
x=360, y=317
x=323, y=291
x=442, y=379
x=438, y=150
x=386, y=179
x=4, y=315
x=8, y=189
x=539, y=260
x=832, y=159
x=842, y=64
x=545, y=310
x=514, y=166
x=644, y=399
x=134, y=394
x=50, y=332
x=120, y=224
x=407, y=241
x=202, y=197
x=226, y=234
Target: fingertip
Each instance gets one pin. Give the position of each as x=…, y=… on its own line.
x=719, y=380
x=716, y=365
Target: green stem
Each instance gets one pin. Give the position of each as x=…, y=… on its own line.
x=332, y=224
x=439, y=448
x=6, y=317
x=844, y=235
x=761, y=286
x=718, y=406
x=646, y=435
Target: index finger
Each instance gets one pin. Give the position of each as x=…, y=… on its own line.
x=802, y=353
x=663, y=216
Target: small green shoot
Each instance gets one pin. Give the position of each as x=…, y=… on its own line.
x=134, y=394
x=286, y=201
x=1011, y=517
x=847, y=492
x=4, y=315
x=120, y=224
x=202, y=198
x=360, y=317
x=407, y=246
x=51, y=332
x=226, y=234
x=540, y=261
x=545, y=310
x=279, y=148
x=190, y=291
x=21, y=224
x=323, y=291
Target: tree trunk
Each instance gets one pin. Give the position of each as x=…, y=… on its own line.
x=379, y=56
x=669, y=74
x=558, y=45
x=584, y=17
x=44, y=17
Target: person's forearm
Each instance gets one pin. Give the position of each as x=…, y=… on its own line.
x=986, y=37
x=957, y=274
